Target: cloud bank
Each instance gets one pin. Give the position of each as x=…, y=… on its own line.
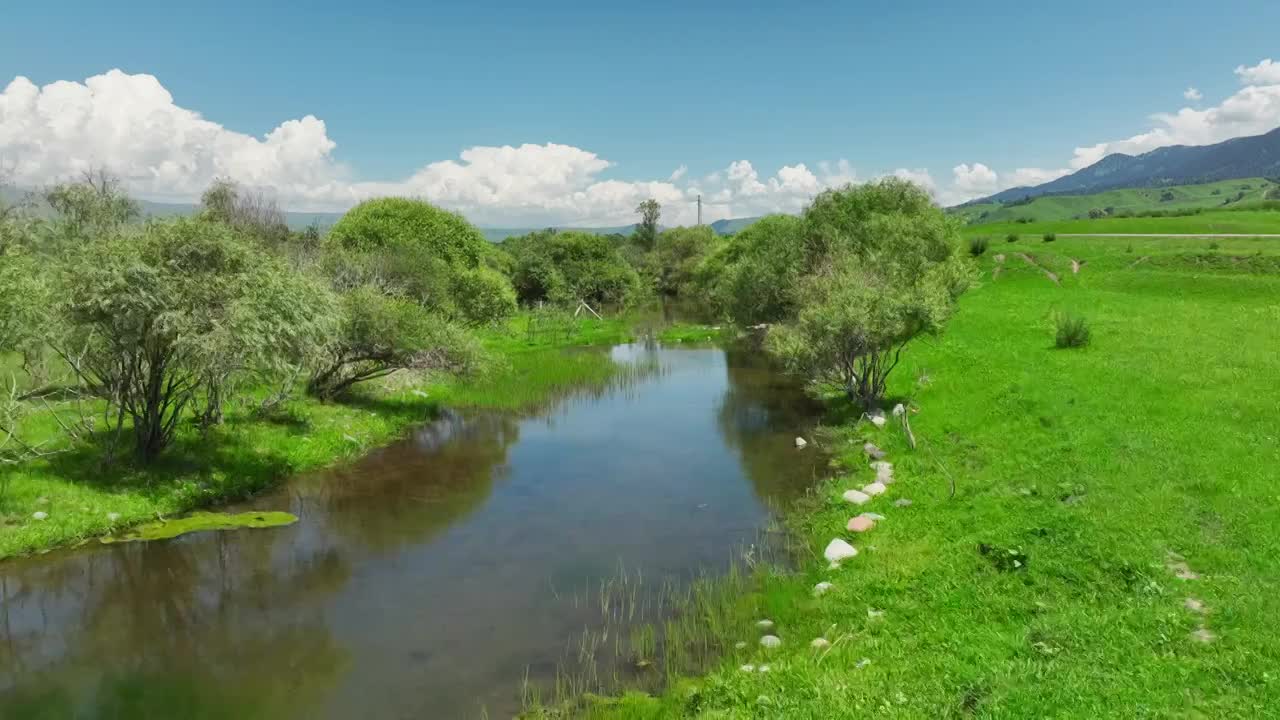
x=131, y=125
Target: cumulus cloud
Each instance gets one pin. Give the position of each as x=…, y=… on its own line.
x=1266, y=72
x=131, y=125
x=1193, y=94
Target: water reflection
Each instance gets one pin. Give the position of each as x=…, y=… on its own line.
x=426, y=579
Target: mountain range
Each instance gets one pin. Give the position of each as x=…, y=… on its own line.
x=1242, y=157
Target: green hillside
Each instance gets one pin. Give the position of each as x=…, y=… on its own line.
x=1210, y=222
x=1129, y=201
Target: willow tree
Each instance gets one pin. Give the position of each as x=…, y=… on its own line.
x=881, y=267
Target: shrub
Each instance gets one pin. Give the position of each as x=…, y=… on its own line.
x=754, y=277
x=1072, y=331
x=978, y=245
x=1011, y=237
x=483, y=296
x=1272, y=194
x=1050, y=237
x=566, y=267
x=1213, y=245
x=400, y=222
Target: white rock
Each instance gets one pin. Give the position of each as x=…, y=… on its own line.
x=821, y=588
x=764, y=668
x=902, y=502
x=857, y=497
x=882, y=466
x=838, y=550
x=765, y=624
x=820, y=644
x=771, y=641
x=873, y=614
x=40, y=515
x=864, y=662
x=741, y=645
x=877, y=517
x=801, y=442
x=872, y=451
x=420, y=393
x=878, y=420
x=898, y=410
x=748, y=668
x=875, y=488
x=112, y=517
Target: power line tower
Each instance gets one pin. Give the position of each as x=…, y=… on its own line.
x=699, y=209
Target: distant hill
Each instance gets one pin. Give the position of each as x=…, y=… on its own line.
x=301, y=220
x=1242, y=157
x=1225, y=194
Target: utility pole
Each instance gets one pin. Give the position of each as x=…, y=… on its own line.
x=699, y=209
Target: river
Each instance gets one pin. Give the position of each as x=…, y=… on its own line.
x=428, y=579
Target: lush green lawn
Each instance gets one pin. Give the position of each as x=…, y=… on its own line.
x=1226, y=193
x=1097, y=469
x=83, y=498
x=1261, y=222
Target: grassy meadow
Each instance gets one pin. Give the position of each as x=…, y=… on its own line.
x=1225, y=194
x=532, y=360
x=1209, y=222
x=1110, y=549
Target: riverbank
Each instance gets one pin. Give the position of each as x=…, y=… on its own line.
x=81, y=499
x=1109, y=548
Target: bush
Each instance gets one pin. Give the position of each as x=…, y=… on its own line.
x=1072, y=331
x=400, y=222
x=1050, y=237
x=483, y=296
x=1272, y=194
x=753, y=278
x=1011, y=237
x=978, y=245
x=566, y=267
x=1213, y=245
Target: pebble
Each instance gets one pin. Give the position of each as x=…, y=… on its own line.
x=765, y=624
x=113, y=516
x=875, y=488
x=862, y=523
x=857, y=497
x=820, y=644
x=873, y=614
x=838, y=550
x=821, y=588
x=771, y=641
x=1204, y=635
x=873, y=452
x=801, y=442
x=902, y=502
x=763, y=668
x=898, y=410
x=878, y=420
x=40, y=515
x=748, y=668
x=1194, y=605
x=741, y=645
x=873, y=516
x=863, y=663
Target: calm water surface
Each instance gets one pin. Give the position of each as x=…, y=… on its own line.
x=426, y=580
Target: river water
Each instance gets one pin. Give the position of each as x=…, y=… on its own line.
x=427, y=580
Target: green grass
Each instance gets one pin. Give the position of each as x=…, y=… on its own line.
x=248, y=454
x=1262, y=222
x=1129, y=200
x=1090, y=467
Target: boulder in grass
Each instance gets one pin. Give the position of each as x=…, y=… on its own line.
x=40, y=515
x=765, y=624
x=838, y=550
x=857, y=497
x=801, y=443
x=862, y=523
x=820, y=644
x=875, y=488
x=771, y=641
x=899, y=410
x=821, y=588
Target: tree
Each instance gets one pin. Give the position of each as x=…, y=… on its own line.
x=647, y=229
x=568, y=267
x=95, y=205
x=754, y=277
x=381, y=334
x=158, y=316
x=881, y=267
x=679, y=253
x=251, y=212
x=396, y=223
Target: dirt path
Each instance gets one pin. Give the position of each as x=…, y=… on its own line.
x=1032, y=262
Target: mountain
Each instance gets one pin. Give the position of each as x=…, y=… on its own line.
x=1242, y=157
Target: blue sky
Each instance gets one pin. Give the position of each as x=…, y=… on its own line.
x=651, y=87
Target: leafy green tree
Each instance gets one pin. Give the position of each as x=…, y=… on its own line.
x=646, y=233
x=93, y=206
x=679, y=253
x=160, y=316
x=396, y=223
x=381, y=334
x=753, y=278
x=252, y=213
x=566, y=267
x=881, y=268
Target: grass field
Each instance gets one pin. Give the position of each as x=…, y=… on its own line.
x=1260, y=222
x=1091, y=484
x=1224, y=194
x=248, y=454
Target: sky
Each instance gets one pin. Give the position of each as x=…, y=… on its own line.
x=571, y=113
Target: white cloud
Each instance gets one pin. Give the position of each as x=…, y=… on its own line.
x=130, y=125
x=1192, y=94
x=1266, y=72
